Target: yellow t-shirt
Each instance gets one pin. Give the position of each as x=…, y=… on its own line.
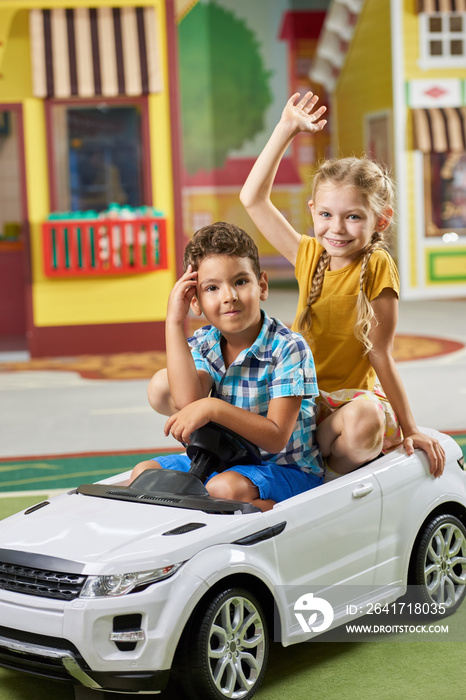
x=339, y=359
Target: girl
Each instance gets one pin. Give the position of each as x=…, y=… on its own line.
x=348, y=296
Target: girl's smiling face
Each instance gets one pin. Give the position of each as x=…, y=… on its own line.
x=343, y=222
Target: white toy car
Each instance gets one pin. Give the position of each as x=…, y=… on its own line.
x=113, y=587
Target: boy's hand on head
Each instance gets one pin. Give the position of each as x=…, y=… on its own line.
x=180, y=296
x=431, y=447
x=182, y=424
x=300, y=112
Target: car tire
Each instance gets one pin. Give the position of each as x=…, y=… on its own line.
x=224, y=650
x=439, y=566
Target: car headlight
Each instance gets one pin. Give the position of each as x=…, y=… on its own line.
x=120, y=584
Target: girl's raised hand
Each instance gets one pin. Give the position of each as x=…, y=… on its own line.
x=299, y=112
x=180, y=296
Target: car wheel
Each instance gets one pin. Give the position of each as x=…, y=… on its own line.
x=440, y=564
x=224, y=651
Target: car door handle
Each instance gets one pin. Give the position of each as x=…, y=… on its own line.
x=362, y=490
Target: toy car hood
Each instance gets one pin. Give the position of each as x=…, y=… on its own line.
x=104, y=533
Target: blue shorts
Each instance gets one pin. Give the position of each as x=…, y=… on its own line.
x=274, y=481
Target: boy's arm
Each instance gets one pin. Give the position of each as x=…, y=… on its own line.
x=271, y=433
x=186, y=383
x=297, y=116
x=382, y=336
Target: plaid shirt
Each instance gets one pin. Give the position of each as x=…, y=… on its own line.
x=278, y=364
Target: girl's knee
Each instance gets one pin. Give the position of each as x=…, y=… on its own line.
x=158, y=393
x=370, y=412
x=365, y=424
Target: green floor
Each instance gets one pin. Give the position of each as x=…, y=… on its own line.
x=386, y=670
x=64, y=472
x=391, y=670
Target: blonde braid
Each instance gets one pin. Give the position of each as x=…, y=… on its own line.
x=305, y=319
x=365, y=313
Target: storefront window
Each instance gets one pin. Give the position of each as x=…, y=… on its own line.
x=97, y=156
x=446, y=189
x=13, y=282
x=10, y=185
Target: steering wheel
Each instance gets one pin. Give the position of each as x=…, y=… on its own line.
x=215, y=448
x=212, y=448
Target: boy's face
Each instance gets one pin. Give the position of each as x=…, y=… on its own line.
x=229, y=295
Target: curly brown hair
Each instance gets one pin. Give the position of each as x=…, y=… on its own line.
x=221, y=238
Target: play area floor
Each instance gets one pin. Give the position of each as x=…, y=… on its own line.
x=66, y=421
x=143, y=364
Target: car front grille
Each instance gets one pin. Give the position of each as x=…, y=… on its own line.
x=40, y=582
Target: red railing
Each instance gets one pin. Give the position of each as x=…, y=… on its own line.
x=86, y=247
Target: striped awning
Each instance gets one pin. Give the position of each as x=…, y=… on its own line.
x=432, y=6
x=90, y=52
x=440, y=130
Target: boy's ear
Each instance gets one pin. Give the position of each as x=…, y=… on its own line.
x=195, y=306
x=264, y=286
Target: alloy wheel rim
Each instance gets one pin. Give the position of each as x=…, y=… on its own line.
x=445, y=565
x=236, y=651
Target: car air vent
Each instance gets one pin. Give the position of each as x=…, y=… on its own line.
x=126, y=494
x=183, y=529
x=40, y=582
x=33, y=509
x=141, y=497
x=159, y=499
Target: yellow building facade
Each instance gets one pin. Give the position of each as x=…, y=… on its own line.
x=399, y=95
x=60, y=126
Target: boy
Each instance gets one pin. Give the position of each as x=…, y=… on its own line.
x=245, y=371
